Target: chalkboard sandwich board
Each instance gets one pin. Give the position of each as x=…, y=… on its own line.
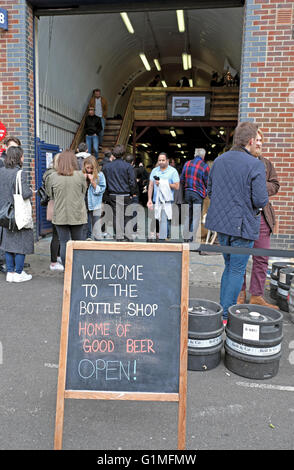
x=124, y=325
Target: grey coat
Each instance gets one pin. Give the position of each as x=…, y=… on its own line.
x=21, y=241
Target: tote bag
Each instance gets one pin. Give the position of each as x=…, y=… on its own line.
x=22, y=207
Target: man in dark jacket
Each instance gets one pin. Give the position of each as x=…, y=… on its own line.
x=237, y=192
x=92, y=128
x=267, y=224
x=121, y=184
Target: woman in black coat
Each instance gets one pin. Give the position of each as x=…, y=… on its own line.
x=18, y=243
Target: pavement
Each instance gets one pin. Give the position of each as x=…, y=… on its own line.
x=224, y=410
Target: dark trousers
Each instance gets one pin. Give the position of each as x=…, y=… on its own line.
x=66, y=233
x=54, y=245
x=195, y=202
x=118, y=204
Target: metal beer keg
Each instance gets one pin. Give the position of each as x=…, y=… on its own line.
x=204, y=334
x=253, y=341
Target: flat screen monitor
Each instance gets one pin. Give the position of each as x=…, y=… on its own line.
x=188, y=106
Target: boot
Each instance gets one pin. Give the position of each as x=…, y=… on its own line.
x=241, y=297
x=259, y=300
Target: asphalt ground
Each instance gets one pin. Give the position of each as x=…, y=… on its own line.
x=224, y=411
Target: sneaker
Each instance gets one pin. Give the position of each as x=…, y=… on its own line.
x=56, y=267
x=59, y=260
x=10, y=277
x=22, y=277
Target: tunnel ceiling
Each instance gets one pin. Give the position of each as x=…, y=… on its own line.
x=45, y=7
x=82, y=52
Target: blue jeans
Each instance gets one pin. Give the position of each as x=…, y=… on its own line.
x=235, y=268
x=14, y=262
x=93, y=141
x=101, y=133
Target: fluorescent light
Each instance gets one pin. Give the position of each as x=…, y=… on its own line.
x=185, y=60
x=157, y=64
x=173, y=132
x=127, y=22
x=189, y=61
x=145, y=61
x=191, y=82
x=163, y=82
x=181, y=20
x=179, y=145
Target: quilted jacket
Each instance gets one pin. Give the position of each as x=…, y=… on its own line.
x=237, y=191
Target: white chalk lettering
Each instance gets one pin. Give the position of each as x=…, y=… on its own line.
x=129, y=290
x=107, y=370
x=91, y=289
x=121, y=272
x=90, y=308
x=141, y=310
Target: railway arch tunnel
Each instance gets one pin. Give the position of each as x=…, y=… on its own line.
x=55, y=52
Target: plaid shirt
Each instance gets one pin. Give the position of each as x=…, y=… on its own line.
x=194, y=176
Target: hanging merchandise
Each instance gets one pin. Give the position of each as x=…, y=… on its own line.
x=2, y=131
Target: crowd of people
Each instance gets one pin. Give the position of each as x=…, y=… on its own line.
x=117, y=199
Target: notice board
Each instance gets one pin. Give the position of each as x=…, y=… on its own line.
x=124, y=325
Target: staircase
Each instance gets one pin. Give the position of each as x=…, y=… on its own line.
x=111, y=132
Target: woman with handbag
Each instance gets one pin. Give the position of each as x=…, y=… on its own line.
x=16, y=243
x=67, y=185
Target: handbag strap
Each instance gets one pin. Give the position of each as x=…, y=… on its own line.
x=18, y=187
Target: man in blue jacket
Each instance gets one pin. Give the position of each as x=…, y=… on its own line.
x=237, y=192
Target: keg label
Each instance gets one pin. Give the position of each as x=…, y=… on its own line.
x=204, y=343
x=283, y=292
x=283, y=278
x=251, y=332
x=250, y=351
x=274, y=282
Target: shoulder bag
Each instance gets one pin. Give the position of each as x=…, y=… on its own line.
x=22, y=207
x=7, y=218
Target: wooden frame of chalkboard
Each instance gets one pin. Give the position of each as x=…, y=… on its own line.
x=167, y=263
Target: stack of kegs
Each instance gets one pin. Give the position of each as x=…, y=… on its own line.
x=276, y=267
x=286, y=275
x=253, y=341
x=253, y=338
x=204, y=334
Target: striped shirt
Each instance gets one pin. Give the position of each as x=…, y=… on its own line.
x=194, y=176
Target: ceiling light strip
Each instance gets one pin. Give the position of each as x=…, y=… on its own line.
x=127, y=22
x=181, y=21
x=157, y=64
x=145, y=61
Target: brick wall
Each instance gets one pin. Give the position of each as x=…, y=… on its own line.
x=267, y=97
x=17, y=77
